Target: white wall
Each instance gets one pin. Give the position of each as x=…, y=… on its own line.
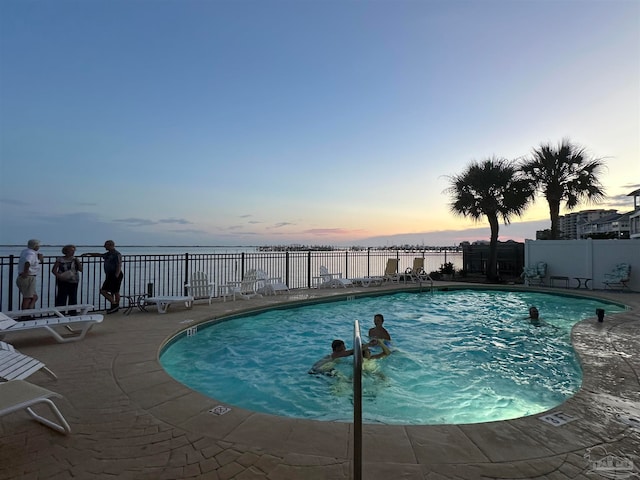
x=585, y=258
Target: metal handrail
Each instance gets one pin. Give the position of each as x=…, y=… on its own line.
x=357, y=402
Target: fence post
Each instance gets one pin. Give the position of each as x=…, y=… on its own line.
x=309, y=269
x=186, y=273
x=11, y=257
x=346, y=264
x=286, y=268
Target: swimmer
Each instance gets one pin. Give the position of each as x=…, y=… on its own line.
x=366, y=353
x=326, y=363
x=379, y=331
x=534, y=317
x=536, y=321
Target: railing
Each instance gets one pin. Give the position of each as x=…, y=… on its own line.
x=168, y=274
x=357, y=402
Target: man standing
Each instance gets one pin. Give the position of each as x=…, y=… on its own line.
x=113, y=274
x=29, y=267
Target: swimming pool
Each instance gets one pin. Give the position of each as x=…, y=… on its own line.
x=462, y=356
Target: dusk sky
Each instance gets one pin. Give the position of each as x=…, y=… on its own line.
x=184, y=122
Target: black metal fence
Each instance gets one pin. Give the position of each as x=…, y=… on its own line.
x=168, y=274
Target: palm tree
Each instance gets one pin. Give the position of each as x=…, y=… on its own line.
x=493, y=188
x=564, y=174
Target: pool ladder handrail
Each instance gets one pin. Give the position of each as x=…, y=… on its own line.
x=357, y=402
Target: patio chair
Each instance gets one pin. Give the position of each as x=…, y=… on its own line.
x=81, y=309
x=85, y=322
x=21, y=395
x=534, y=275
x=18, y=366
x=391, y=271
x=331, y=280
x=200, y=288
x=267, y=285
x=619, y=277
x=417, y=273
x=163, y=302
x=246, y=289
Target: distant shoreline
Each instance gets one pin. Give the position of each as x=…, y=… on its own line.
x=268, y=248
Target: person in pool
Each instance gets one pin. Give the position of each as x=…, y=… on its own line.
x=326, y=363
x=535, y=320
x=366, y=353
x=379, y=331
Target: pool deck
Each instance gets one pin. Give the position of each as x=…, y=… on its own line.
x=130, y=420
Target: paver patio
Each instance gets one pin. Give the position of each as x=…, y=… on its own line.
x=130, y=420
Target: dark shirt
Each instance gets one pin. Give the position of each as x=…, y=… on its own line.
x=112, y=259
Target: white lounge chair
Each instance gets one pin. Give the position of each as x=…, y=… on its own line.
x=619, y=277
x=21, y=395
x=417, y=273
x=85, y=322
x=18, y=366
x=267, y=285
x=331, y=280
x=163, y=302
x=391, y=271
x=80, y=309
x=368, y=281
x=199, y=287
x=246, y=289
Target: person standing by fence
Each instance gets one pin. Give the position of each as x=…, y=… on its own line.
x=113, y=274
x=67, y=272
x=28, y=268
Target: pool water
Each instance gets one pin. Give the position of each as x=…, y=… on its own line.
x=462, y=356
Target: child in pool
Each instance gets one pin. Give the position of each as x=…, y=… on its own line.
x=379, y=331
x=326, y=363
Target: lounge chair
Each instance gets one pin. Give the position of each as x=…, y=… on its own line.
x=267, y=285
x=21, y=395
x=18, y=366
x=417, y=273
x=246, y=289
x=391, y=271
x=368, y=281
x=535, y=274
x=619, y=277
x=200, y=288
x=163, y=302
x=331, y=280
x=9, y=325
x=81, y=309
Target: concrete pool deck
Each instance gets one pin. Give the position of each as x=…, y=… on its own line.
x=130, y=420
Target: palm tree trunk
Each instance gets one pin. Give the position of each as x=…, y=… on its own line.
x=492, y=265
x=554, y=213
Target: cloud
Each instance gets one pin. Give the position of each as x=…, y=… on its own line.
x=282, y=224
x=321, y=232
x=180, y=221
x=135, y=222
x=192, y=231
x=13, y=202
x=145, y=222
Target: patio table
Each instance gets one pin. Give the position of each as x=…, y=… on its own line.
x=580, y=282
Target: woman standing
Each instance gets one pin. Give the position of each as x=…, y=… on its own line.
x=66, y=269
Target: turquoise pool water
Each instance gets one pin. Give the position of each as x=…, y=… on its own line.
x=462, y=356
